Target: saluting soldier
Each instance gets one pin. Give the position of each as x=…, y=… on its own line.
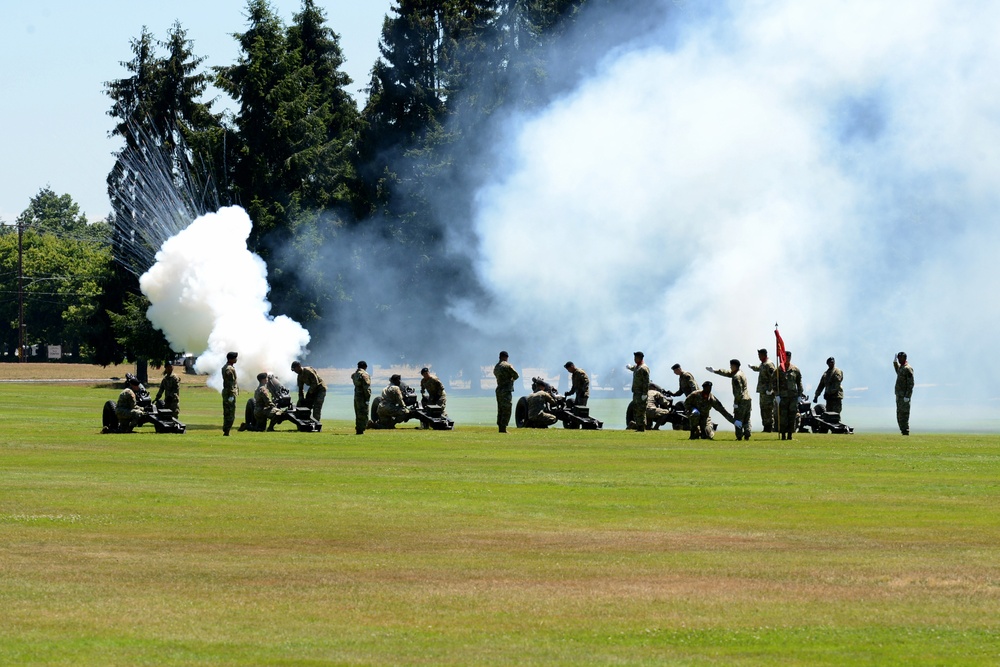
x=742, y=405
x=904, y=391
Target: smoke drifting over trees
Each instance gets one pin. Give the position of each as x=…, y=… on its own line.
x=584, y=179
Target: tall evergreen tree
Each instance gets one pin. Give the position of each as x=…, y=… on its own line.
x=156, y=109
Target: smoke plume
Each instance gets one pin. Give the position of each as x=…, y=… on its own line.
x=824, y=165
x=209, y=296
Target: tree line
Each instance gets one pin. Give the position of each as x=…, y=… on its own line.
x=311, y=168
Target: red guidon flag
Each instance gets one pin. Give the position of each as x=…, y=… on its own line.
x=782, y=362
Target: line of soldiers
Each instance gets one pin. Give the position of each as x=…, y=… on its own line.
x=778, y=390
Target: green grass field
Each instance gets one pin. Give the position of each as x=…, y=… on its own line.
x=467, y=547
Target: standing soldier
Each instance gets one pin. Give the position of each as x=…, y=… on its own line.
x=699, y=404
x=904, y=391
x=505, y=375
x=230, y=390
x=640, y=389
x=831, y=384
x=765, y=389
x=579, y=384
x=742, y=405
x=362, y=396
x=170, y=389
x=316, y=394
x=686, y=385
x=789, y=390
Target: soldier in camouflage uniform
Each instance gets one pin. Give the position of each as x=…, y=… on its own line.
x=362, y=396
x=580, y=384
x=686, y=383
x=433, y=388
x=127, y=409
x=831, y=384
x=658, y=406
x=904, y=391
x=264, y=408
x=230, y=390
x=699, y=404
x=539, y=404
x=316, y=395
x=170, y=389
x=505, y=375
x=789, y=391
x=640, y=389
x=742, y=405
x=392, y=408
x=766, y=382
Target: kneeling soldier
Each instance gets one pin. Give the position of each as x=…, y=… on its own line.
x=699, y=404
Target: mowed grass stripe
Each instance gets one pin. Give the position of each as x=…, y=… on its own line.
x=467, y=547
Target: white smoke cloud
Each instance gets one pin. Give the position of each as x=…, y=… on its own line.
x=824, y=165
x=209, y=296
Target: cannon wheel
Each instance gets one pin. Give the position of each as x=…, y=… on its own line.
x=629, y=414
x=108, y=417
x=248, y=417
x=375, y=403
x=521, y=412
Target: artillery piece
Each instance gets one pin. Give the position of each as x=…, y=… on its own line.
x=156, y=413
x=565, y=410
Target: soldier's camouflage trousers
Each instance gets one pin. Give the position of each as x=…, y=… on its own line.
x=360, y=413
x=639, y=401
x=742, y=411
x=767, y=411
x=505, y=406
x=903, y=415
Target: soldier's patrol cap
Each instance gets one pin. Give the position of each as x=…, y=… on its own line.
x=503, y=353
x=675, y=367
x=261, y=376
x=134, y=380
x=294, y=364
x=706, y=384
x=362, y=364
x=231, y=355
x=395, y=378
x=568, y=364
x=762, y=350
x=425, y=370
x=830, y=360
x=639, y=354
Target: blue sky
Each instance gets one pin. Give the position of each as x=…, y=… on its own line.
x=55, y=56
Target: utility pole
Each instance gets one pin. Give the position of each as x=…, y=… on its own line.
x=21, y=357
